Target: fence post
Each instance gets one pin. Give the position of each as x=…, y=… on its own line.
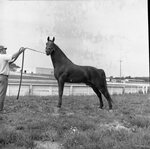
x=146, y=89
x=71, y=89
x=30, y=89
x=143, y=90
x=88, y=90
x=123, y=89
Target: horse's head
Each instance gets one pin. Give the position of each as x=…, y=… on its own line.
x=50, y=46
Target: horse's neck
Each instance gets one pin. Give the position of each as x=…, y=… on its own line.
x=59, y=58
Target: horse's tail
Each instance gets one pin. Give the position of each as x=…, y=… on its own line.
x=103, y=75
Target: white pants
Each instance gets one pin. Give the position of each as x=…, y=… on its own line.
x=3, y=89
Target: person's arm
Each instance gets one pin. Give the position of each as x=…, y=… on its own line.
x=15, y=55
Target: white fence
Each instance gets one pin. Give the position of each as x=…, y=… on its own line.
x=73, y=89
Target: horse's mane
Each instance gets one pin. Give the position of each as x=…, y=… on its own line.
x=58, y=49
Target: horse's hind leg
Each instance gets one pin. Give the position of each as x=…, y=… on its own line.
x=105, y=92
x=99, y=96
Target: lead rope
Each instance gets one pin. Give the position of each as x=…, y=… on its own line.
x=35, y=50
x=22, y=67
x=21, y=75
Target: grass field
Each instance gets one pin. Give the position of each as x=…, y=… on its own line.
x=35, y=123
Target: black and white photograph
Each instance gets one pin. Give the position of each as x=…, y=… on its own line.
x=74, y=74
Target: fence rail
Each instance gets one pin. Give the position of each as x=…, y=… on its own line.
x=73, y=89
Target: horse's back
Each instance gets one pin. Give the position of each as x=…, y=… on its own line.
x=94, y=72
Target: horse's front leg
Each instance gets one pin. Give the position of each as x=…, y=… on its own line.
x=60, y=91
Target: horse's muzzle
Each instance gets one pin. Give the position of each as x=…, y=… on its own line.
x=47, y=52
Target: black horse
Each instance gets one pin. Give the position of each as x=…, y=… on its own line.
x=66, y=71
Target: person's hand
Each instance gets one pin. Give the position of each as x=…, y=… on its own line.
x=22, y=49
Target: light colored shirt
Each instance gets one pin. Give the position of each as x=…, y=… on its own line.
x=4, y=64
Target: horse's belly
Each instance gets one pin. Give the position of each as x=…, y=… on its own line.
x=76, y=78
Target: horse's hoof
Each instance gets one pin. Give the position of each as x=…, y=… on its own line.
x=58, y=106
x=101, y=107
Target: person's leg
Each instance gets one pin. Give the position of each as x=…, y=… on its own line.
x=3, y=89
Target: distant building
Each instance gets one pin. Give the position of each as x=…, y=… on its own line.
x=134, y=80
x=41, y=70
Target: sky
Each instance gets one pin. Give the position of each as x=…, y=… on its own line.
x=98, y=33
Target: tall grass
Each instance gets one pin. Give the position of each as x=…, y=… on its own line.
x=18, y=139
x=79, y=124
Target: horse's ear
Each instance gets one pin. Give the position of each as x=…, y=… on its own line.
x=53, y=39
x=48, y=38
